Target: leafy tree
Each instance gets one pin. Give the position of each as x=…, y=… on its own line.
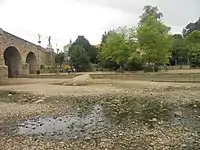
x=105, y=37
x=193, y=41
x=191, y=27
x=154, y=40
x=150, y=11
x=119, y=45
x=179, y=53
x=106, y=63
x=89, y=49
x=79, y=58
x=60, y=58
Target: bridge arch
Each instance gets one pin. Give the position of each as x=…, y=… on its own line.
x=32, y=61
x=12, y=59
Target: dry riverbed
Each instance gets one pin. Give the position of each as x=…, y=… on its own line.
x=136, y=116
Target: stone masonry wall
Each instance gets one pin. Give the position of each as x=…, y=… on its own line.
x=24, y=47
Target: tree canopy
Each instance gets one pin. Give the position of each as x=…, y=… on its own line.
x=119, y=45
x=193, y=43
x=150, y=11
x=154, y=40
x=79, y=58
x=89, y=49
x=179, y=53
x=191, y=27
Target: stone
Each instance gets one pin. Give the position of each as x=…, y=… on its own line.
x=195, y=106
x=154, y=120
x=80, y=80
x=39, y=101
x=160, y=122
x=87, y=138
x=183, y=145
x=178, y=113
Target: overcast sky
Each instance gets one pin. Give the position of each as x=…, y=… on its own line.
x=65, y=19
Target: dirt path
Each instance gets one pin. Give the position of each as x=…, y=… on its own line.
x=57, y=87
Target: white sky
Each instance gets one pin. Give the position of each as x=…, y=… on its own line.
x=65, y=19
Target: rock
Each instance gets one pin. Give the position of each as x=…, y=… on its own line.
x=62, y=142
x=43, y=133
x=178, y=113
x=87, y=138
x=160, y=122
x=195, y=106
x=183, y=146
x=154, y=120
x=9, y=94
x=169, y=86
x=53, y=134
x=22, y=125
x=39, y=101
x=152, y=144
x=120, y=134
x=83, y=79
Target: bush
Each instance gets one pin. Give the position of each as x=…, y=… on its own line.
x=133, y=66
x=42, y=67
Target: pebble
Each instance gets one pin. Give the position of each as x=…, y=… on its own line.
x=178, y=113
x=183, y=145
x=160, y=122
x=39, y=101
x=87, y=138
x=62, y=142
x=195, y=106
x=154, y=120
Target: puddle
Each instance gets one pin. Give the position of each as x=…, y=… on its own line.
x=66, y=127
x=179, y=120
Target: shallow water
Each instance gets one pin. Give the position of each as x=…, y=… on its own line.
x=66, y=127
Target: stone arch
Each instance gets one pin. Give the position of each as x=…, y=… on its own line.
x=12, y=60
x=32, y=61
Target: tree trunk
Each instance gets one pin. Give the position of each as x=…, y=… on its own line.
x=176, y=62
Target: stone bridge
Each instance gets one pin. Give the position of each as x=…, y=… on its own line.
x=20, y=57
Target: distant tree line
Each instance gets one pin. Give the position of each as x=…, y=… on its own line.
x=149, y=44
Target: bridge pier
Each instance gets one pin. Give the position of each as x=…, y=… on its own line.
x=3, y=71
x=24, y=69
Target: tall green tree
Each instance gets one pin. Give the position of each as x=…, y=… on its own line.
x=79, y=58
x=150, y=11
x=191, y=27
x=91, y=51
x=106, y=63
x=193, y=42
x=120, y=45
x=154, y=39
x=179, y=55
